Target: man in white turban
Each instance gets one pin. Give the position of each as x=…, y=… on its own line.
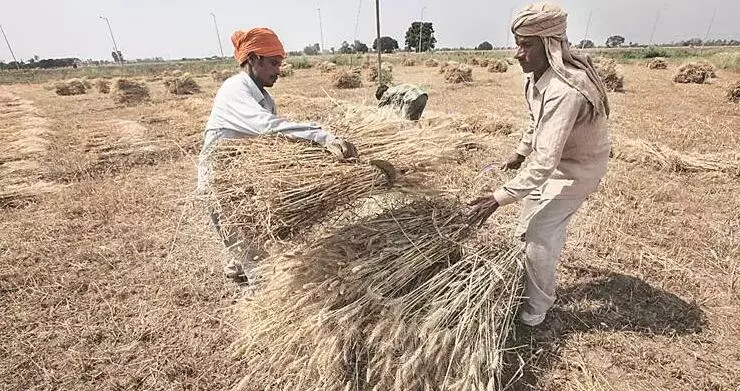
x=567, y=147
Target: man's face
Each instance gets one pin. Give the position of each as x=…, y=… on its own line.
x=266, y=69
x=531, y=54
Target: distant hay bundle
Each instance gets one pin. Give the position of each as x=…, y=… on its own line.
x=473, y=61
x=609, y=73
x=286, y=70
x=88, y=84
x=461, y=73
x=694, y=72
x=386, y=76
x=483, y=123
x=408, y=62
x=103, y=86
x=447, y=64
x=182, y=85
x=431, y=63
x=483, y=62
x=346, y=79
x=664, y=158
x=498, y=66
x=733, y=94
x=272, y=188
x=657, y=63
x=70, y=87
x=327, y=67
x=403, y=300
x=129, y=92
x=221, y=76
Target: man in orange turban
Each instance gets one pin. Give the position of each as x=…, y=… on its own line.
x=566, y=144
x=243, y=108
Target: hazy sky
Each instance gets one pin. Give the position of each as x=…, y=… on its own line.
x=175, y=29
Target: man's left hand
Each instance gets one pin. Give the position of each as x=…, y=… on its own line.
x=342, y=149
x=482, y=209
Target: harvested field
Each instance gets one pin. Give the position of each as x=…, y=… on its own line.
x=111, y=275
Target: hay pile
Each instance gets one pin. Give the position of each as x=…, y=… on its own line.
x=431, y=63
x=409, y=62
x=446, y=64
x=103, y=86
x=695, y=72
x=221, y=76
x=733, y=94
x=346, y=79
x=182, y=85
x=129, y=92
x=609, y=73
x=461, y=73
x=473, y=61
x=286, y=70
x=402, y=300
x=483, y=62
x=664, y=158
x=327, y=67
x=70, y=87
x=498, y=66
x=386, y=76
x=657, y=63
x=483, y=123
x=87, y=82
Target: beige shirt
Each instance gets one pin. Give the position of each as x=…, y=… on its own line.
x=567, y=144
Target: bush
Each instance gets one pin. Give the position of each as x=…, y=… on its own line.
x=299, y=62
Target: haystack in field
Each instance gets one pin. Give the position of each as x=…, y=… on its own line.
x=346, y=79
x=70, y=87
x=431, y=63
x=733, y=94
x=272, y=188
x=409, y=62
x=221, y=76
x=473, y=61
x=483, y=123
x=694, y=72
x=129, y=92
x=609, y=73
x=397, y=301
x=286, y=70
x=657, y=63
x=182, y=85
x=87, y=82
x=103, y=86
x=386, y=76
x=483, y=62
x=327, y=67
x=460, y=73
x=498, y=66
x=664, y=158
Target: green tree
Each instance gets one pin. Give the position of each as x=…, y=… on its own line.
x=586, y=44
x=427, y=37
x=388, y=44
x=360, y=47
x=312, y=50
x=485, y=45
x=345, y=48
x=614, y=41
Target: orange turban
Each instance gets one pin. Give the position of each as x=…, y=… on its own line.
x=259, y=40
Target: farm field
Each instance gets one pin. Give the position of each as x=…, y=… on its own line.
x=110, y=276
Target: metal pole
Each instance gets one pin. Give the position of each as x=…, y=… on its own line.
x=115, y=46
x=588, y=26
x=421, y=28
x=321, y=28
x=655, y=25
x=380, y=42
x=17, y=65
x=218, y=36
x=709, y=29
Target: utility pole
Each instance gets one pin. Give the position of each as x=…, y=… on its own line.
x=17, y=65
x=421, y=27
x=655, y=25
x=508, y=27
x=218, y=36
x=115, y=46
x=321, y=28
x=379, y=46
x=588, y=26
x=711, y=22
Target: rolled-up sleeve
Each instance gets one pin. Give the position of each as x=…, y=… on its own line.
x=546, y=144
x=525, y=144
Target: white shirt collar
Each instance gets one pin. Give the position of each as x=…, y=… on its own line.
x=544, y=80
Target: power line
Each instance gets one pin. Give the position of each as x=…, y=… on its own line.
x=588, y=26
x=17, y=65
x=357, y=19
x=218, y=36
x=711, y=22
x=655, y=26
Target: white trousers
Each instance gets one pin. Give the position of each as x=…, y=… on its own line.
x=543, y=226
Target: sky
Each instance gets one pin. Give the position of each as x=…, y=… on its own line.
x=184, y=28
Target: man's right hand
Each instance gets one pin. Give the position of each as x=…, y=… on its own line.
x=513, y=162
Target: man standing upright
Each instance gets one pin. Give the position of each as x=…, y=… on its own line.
x=567, y=146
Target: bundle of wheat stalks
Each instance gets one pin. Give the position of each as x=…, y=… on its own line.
x=459, y=73
x=327, y=67
x=182, y=85
x=664, y=158
x=346, y=79
x=657, y=63
x=103, y=86
x=221, y=76
x=70, y=87
x=129, y=92
x=408, y=62
x=400, y=300
x=431, y=63
x=385, y=76
x=609, y=73
x=733, y=94
x=695, y=72
x=498, y=66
